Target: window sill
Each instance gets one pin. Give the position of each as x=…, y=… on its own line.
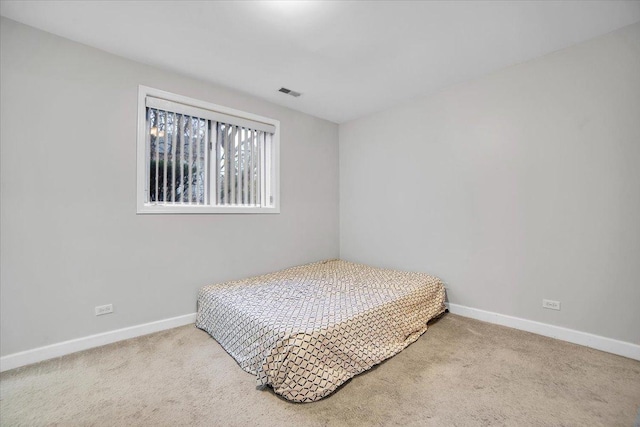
x=150, y=209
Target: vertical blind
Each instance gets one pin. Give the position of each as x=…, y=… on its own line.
x=241, y=156
x=193, y=159
x=177, y=157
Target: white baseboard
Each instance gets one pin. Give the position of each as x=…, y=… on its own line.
x=28, y=357
x=621, y=348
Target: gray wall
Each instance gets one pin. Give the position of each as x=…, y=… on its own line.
x=519, y=186
x=71, y=238
x=515, y=187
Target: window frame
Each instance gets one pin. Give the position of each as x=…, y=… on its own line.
x=144, y=207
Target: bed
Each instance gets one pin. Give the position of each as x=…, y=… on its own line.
x=306, y=330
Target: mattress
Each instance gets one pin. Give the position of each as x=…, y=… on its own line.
x=306, y=330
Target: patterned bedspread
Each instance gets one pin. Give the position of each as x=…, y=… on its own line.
x=306, y=330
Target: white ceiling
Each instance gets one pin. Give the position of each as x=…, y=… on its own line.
x=347, y=58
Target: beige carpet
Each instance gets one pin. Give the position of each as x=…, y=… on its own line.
x=460, y=372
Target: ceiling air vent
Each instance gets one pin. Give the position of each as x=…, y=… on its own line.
x=289, y=92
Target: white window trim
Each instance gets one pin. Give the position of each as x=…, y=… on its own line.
x=152, y=208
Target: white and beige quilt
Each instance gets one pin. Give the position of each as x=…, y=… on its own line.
x=306, y=330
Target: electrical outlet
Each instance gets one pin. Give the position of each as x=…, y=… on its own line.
x=553, y=305
x=104, y=309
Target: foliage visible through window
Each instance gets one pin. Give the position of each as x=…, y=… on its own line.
x=177, y=157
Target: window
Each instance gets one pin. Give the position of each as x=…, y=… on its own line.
x=197, y=157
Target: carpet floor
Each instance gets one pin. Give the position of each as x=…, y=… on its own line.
x=460, y=372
